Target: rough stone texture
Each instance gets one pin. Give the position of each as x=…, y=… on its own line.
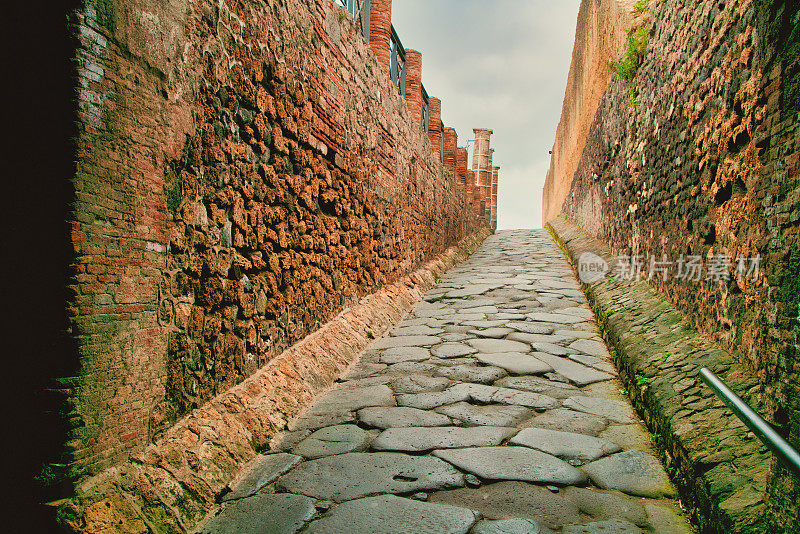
x=225, y=206
x=268, y=512
x=331, y=440
x=400, y=416
x=509, y=526
x=611, y=526
x=424, y=439
x=263, y=470
x=565, y=445
x=514, y=499
x=515, y=362
x=512, y=463
x=615, y=410
x=387, y=514
x=486, y=415
x=350, y=476
x=569, y=421
x=632, y=472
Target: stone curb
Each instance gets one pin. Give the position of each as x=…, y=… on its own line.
x=175, y=482
x=719, y=468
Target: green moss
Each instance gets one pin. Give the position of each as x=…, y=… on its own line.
x=634, y=52
x=641, y=6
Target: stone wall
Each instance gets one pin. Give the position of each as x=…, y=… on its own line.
x=698, y=156
x=246, y=170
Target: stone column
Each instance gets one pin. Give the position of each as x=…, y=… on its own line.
x=380, y=31
x=435, y=125
x=495, y=174
x=414, y=84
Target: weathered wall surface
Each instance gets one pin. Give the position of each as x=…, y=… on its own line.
x=245, y=171
x=599, y=40
x=707, y=165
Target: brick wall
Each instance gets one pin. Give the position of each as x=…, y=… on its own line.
x=245, y=171
x=705, y=163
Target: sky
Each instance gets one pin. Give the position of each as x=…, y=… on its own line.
x=503, y=65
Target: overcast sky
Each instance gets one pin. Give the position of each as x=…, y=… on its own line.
x=499, y=64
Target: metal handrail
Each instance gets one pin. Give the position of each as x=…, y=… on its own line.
x=754, y=422
x=397, y=63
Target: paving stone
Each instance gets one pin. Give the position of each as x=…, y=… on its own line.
x=628, y=437
x=430, y=400
x=452, y=362
x=556, y=318
x=364, y=369
x=500, y=415
x=537, y=384
x=401, y=416
x=611, y=526
x=506, y=499
x=618, y=411
x=666, y=520
x=313, y=420
x=565, y=445
x=420, y=384
x=599, y=505
x=405, y=354
x=349, y=476
x=590, y=347
x=505, y=316
x=569, y=421
x=632, y=472
x=472, y=373
x=596, y=363
x=364, y=382
x=472, y=289
x=512, y=463
x=482, y=309
x=509, y=526
x=277, y=513
x=260, y=472
x=550, y=348
x=455, y=336
x=284, y=441
x=330, y=440
x=484, y=324
x=411, y=367
x=495, y=333
x=389, y=514
x=578, y=374
x=515, y=362
x=404, y=341
x=417, y=330
x=418, y=439
x=574, y=334
x=531, y=327
x=452, y=350
x=498, y=345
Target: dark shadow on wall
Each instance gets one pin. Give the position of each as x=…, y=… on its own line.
x=40, y=123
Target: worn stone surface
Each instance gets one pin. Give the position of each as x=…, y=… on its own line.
x=509, y=526
x=512, y=463
x=263, y=470
x=473, y=414
x=565, y=445
x=608, y=505
x=498, y=345
x=615, y=526
x=514, y=499
x=387, y=514
x=633, y=472
x=280, y=513
x=353, y=475
x=614, y=410
x=330, y=440
x=400, y=416
x=472, y=373
x=417, y=439
x=569, y=421
x=405, y=354
x=515, y=362
x=578, y=374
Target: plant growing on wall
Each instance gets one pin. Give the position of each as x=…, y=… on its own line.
x=626, y=67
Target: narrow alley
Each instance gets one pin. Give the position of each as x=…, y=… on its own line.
x=493, y=407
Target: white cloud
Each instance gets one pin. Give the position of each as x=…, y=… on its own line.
x=499, y=64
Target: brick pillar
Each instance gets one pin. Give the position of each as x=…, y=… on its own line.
x=450, y=150
x=495, y=174
x=482, y=165
x=461, y=168
x=380, y=31
x=435, y=125
x=414, y=84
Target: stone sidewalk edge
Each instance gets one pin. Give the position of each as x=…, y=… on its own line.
x=721, y=473
x=174, y=483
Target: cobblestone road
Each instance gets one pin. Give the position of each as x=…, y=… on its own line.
x=493, y=407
